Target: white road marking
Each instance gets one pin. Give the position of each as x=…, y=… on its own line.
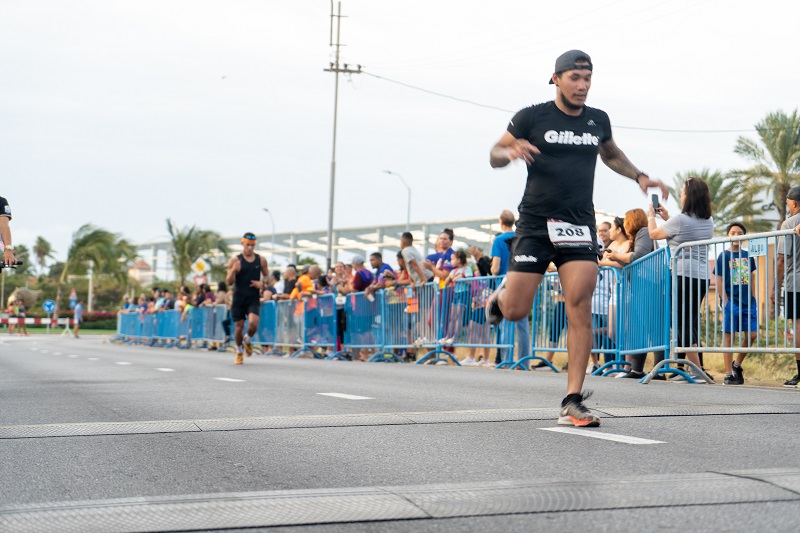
x=123, y=363
x=588, y=432
x=56, y=353
x=72, y=356
x=43, y=351
x=33, y=349
x=165, y=369
x=230, y=380
x=344, y=396
x=94, y=359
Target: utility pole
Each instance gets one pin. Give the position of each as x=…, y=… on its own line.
x=336, y=69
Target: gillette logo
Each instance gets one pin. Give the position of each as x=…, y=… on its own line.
x=570, y=137
x=525, y=259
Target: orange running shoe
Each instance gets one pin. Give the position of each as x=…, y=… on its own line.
x=239, y=358
x=574, y=413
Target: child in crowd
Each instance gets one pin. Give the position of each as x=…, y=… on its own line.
x=460, y=295
x=734, y=268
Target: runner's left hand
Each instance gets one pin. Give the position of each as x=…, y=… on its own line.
x=645, y=182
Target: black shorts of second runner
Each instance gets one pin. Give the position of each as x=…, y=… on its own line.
x=242, y=308
x=792, y=309
x=533, y=254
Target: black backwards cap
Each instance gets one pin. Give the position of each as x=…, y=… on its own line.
x=567, y=60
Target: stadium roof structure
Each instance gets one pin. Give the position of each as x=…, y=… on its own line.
x=290, y=247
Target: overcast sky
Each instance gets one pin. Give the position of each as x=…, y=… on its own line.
x=124, y=113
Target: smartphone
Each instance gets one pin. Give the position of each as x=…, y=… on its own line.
x=655, y=203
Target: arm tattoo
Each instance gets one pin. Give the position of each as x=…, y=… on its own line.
x=616, y=160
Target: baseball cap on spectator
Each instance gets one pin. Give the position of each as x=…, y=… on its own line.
x=793, y=194
x=357, y=260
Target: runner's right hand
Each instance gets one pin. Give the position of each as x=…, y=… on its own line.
x=522, y=149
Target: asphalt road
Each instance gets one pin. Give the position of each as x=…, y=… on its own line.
x=99, y=436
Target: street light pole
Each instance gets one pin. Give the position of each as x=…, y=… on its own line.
x=272, y=247
x=408, y=208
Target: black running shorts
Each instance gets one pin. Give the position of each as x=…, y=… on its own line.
x=792, y=310
x=533, y=254
x=242, y=308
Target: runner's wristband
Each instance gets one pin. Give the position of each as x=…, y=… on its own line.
x=639, y=175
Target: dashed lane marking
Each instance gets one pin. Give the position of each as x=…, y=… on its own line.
x=165, y=369
x=344, y=396
x=124, y=363
x=94, y=358
x=230, y=380
x=603, y=436
x=72, y=356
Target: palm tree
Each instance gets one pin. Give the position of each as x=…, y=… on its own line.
x=190, y=244
x=776, y=166
x=42, y=250
x=731, y=199
x=104, y=251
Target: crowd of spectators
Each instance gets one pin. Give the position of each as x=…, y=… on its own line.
x=621, y=241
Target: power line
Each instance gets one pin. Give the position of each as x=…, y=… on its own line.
x=496, y=108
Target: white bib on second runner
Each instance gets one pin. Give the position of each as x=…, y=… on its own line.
x=565, y=235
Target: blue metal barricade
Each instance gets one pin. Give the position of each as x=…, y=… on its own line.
x=197, y=321
x=166, y=333
x=466, y=325
x=289, y=324
x=319, y=326
x=364, y=331
x=550, y=327
x=607, y=306
x=548, y=321
x=645, y=311
x=267, y=326
x=148, y=329
x=400, y=306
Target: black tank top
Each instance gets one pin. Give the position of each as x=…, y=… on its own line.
x=249, y=272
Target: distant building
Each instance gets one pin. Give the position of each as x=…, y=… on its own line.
x=141, y=272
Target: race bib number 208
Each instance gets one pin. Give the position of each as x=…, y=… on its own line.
x=565, y=235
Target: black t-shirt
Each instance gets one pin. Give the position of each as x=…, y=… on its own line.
x=5, y=211
x=561, y=180
x=288, y=285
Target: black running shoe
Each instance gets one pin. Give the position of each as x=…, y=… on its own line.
x=730, y=379
x=493, y=314
x=792, y=382
x=574, y=413
x=738, y=374
x=633, y=374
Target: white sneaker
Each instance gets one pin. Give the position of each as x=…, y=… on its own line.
x=469, y=361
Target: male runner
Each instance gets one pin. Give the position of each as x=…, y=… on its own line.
x=244, y=274
x=560, y=140
x=5, y=234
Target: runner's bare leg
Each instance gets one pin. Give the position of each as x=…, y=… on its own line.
x=578, y=280
x=517, y=299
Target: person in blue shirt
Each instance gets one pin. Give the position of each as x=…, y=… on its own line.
x=77, y=317
x=440, y=261
x=501, y=254
x=734, y=270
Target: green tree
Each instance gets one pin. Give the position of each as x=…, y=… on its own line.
x=106, y=253
x=22, y=253
x=42, y=250
x=776, y=164
x=731, y=199
x=190, y=244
